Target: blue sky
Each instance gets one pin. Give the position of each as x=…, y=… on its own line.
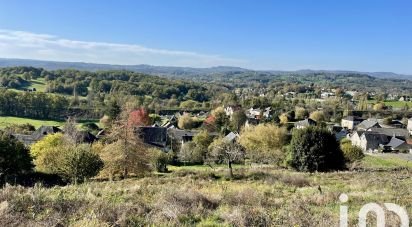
x=364, y=35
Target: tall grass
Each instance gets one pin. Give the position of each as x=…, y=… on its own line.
x=204, y=197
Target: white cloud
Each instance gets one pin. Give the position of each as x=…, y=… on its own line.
x=28, y=45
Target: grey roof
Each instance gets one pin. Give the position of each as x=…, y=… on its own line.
x=37, y=135
x=85, y=137
x=369, y=123
x=231, y=137
x=307, y=122
x=155, y=136
x=25, y=139
x=376, y=137
x=181, y=135
x=45, y=130
x=398, y=132
x=336, y=128
x=395, y=143
x=359, y=133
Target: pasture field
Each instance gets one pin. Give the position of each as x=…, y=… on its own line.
x=7, y=121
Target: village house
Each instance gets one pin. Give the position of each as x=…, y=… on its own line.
x=231, y=137
x=397, y=124
x=367, y=124
x=305, y=123
x=409, y=126
x=350, y=122
x=229, y=110
x=251, y=122
x=351, y=93
x=338, y=131
x=325, y=95
x=153, y=136
x=371, y=141
x=396, y=144
x=37, y=135
x=254, y=113
x=404, y=98
x=181, y=136
x=169, y=121
x=396, y=132
x=355, y=138
x=268, y=112
x=289, y=95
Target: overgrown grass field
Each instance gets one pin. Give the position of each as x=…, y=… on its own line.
x=204, y=196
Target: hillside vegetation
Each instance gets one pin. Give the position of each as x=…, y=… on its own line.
x=202, y=196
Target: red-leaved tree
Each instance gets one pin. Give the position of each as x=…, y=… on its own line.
x=139, y=117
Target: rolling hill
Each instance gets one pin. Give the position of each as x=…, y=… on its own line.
x=181, y=72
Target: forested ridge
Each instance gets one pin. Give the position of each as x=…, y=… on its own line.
x=39, y=93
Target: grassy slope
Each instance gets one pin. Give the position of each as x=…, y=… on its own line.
x=5, y=121
x=373, y=162
x=394, y=104
x=39, y=84
x=203, y=196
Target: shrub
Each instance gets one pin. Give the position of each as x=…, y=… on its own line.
x=14, y=157
x=79, y=163
x=284, y=119
x=73, y=162
x=300, y=113
x=314, y=149
x=159, y=159
x=351, y=153
x=191, y=154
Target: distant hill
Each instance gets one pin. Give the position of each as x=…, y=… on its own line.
x=183, y=72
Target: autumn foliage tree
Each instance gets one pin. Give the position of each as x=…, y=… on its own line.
x=186, y=122
x=124, y=152
x=318, y=116
x=139, y=117
x=264, y=143
x=59, y=154
x=217, y=121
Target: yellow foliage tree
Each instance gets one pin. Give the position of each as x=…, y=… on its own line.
x=45, y=151
x=124, y=153
x=185, y=122
x=264, y=142
x=378, y=106
x=317, y=115
x=283, y=118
